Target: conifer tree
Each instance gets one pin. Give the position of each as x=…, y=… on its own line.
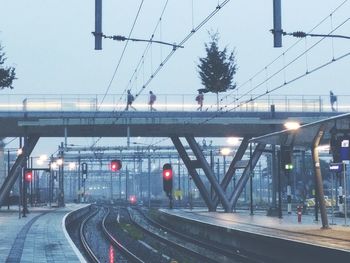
x=7, y=74
x=217, y=69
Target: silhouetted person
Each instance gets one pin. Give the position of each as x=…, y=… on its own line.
x=332, y=99
x=129, y=100
x=152, y=99
x=199, y=99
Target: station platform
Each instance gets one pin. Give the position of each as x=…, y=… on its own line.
x=286, y=234
x=39, y=237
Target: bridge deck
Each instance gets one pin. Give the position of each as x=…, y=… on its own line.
x=149, y=124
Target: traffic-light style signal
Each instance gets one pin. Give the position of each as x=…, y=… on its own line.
x=116, y=165
x=167, y=178
x=286, y=157
x=28, y=175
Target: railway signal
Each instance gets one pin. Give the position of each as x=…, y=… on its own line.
x=286, y=158
x=116, y=165
x=28, y=175
x=168, y=182
x=167, y=178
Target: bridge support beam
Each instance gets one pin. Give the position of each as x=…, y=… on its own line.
x=318, y=177
x=232, y=169
x=209, y=173
x=191, y=166
x=16, y=169
x=246, y=174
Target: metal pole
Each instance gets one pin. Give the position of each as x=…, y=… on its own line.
x=212, y=168
x=251, y=178
x=277, y=23
x=149, y=179
x=79, y=181
x=98, y=24
x=274, y=176
x=279, y=184
x=120, y=185
x=345, y=202
x=111, y=187
x=126, y=182
x=332, y=194
x=8, y=171
x=318, y=178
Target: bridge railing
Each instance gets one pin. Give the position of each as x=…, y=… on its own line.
x=172, y=102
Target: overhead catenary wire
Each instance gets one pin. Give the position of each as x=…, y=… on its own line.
x=140, y=63
x=308, y=72
x=120, y=60
x=282, y=55
x=288, y=64
x=182, y=42
x=122, y=55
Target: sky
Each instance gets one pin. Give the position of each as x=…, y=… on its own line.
x=51, y=46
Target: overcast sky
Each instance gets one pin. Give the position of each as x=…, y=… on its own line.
x=50, y=44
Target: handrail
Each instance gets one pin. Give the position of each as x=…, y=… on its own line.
x=171, y=102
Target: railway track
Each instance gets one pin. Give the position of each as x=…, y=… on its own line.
x=229, y=253
x=127, y=253
x=91, y=257
x=99, y=226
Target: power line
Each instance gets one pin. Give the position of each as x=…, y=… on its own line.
x=122, y=55
x=281, y=55
x=185, y=39
x=119, y=62
x=145, y=51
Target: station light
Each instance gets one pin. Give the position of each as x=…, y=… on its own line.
x=292, y=125
x=116, y=165
x=19, y=151
x=28, y=175
x=225, y=151
x=167, y=178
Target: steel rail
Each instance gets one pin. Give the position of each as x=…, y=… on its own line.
x=127, y=253
x=221, y=250
x=91, y=256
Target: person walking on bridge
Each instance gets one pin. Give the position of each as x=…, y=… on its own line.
x=332, y=99
x=129, y=100
x=199, y=99
x=152, y=99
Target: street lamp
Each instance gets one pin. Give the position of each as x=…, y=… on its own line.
x=233, y=141
x=19, y=151
x=292, y=125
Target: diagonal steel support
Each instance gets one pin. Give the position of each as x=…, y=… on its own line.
x=192, y=171
x=232, y=169
x=209, y=173
x=246, y=173
x=16, y=168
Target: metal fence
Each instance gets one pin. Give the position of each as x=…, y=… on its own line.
x=172, y=102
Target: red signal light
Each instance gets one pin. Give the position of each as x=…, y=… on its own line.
x=132, y=199
x=167, y=178
x=167, y=174
x=116, y=165
x=28, y=176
